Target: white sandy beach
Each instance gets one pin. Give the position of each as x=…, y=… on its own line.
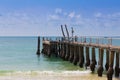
x=68, y=75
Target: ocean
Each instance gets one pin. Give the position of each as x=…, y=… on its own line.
x=18, y=61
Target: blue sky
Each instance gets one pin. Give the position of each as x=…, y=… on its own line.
x=44, y=17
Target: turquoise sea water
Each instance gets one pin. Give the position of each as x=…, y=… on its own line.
x=19, y=54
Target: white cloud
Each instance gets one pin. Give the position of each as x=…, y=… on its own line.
x=116, y=14
x=98, y=14
x=78, y=16
x=16, y=23
x=53, y=17
x=65, y=13
x=58, y=11
x=72, y=15
x=94, y=24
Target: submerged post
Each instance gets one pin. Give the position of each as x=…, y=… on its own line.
x=92, y=65
x=117, y=65
x=71, y=53
x=81, y=55
x=65, y=47
x=100, y=68
x=38, y=47
x=67, y=51
x=110, y=70
x=87, y=57
x=107, y=60
x=76, y=54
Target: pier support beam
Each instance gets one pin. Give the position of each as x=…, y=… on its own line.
x=59, y=47
x=87, y=57
x=49, y=50
x=45, y=47
x=107, y=60
x=62, y=50
x=81, y=55
x=76, y=55
x=38, y=47
x=56, y=49
x=71, y=53
x=117, y=65
x=67, y=51
x=110, y=70
x=92, y=66
x=100, y=68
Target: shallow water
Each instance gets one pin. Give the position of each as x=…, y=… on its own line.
x=18, y=61
x=19, y=53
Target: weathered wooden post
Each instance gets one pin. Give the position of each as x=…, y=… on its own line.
x=75, y=51
x=68, y=43
x=110, y=70
x=81, y=60
x=63, y=44
x=67, y=51
x=56, y=48
x=43, y=50
x=76, y=54
x=38, y=47
x=64, y=54
x=92, y=65
x=87, y=57
x=59, y=47
x=71, y=52
x=100, y=68
x=117, y=65
x=62, y=49
x=48, y=49
x=107, y=60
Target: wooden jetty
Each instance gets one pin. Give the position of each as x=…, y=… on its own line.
x=77, y=51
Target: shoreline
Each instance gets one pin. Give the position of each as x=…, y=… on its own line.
x=50, y=75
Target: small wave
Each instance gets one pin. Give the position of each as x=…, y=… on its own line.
x=77, y=72
x=46, y=72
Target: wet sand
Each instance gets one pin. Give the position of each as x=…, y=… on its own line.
x=52, y=76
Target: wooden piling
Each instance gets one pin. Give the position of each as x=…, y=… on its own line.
x=38, y=47
x=67, y=51
x=59, y=47
x=76, y=55
x=107, y=60
x=56, y=49
x=71, y=52
x=81, y=55
x=100, y=68
x=87, y=57
x=44, y=47
x=117, y=65
x=62, y=50
x=92, y=65
x=110, y=70
x=64, y=54
x=48, y=46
